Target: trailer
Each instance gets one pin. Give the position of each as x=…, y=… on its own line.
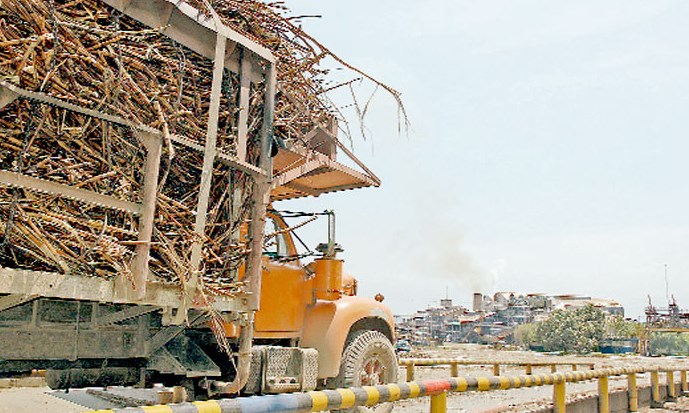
x=137, y=296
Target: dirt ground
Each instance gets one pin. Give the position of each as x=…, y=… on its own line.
x=524, y=399
x=682, y=405
x=37, y=400
x=34, y=399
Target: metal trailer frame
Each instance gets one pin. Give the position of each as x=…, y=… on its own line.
x=208, y=37
x=306, y=175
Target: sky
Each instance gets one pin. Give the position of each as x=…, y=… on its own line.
x=547, y=150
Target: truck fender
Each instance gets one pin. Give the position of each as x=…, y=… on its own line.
x=328, y=323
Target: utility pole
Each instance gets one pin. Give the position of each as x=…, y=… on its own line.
x=667, y=286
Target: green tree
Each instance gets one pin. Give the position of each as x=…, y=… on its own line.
x=618, y=327
x=670, y=344
x=525, y=334
x=572, y=331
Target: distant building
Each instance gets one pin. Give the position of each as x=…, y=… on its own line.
x=492, y=318
x=565, y=302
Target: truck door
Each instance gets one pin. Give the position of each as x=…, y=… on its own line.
x=283, y=287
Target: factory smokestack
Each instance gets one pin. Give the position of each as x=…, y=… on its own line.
x=478, y=302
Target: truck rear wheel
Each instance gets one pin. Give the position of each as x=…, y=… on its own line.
x=367, y=360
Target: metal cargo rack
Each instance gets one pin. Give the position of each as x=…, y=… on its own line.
x=207, y=36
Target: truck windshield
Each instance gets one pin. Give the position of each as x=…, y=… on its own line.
x=276, y=244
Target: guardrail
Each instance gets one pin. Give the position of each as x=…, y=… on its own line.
x=317, y=401
x=410, y=365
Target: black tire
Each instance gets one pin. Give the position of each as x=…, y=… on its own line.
x=368, y=359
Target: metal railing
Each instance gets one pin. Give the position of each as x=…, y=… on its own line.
x=317, y=401
x=410, y=365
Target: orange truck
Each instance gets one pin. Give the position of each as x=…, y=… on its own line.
x=294, y=326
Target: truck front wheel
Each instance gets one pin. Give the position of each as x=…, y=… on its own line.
x=367, y=360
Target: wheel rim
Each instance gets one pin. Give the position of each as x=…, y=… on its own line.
x=373, y=372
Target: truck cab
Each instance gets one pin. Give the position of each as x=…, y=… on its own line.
x=315, y=306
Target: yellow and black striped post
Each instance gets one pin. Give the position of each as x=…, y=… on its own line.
x=453, y=370
x=683, y=379
x=632, y=393
x=655, y=390
x=496, y=369
x=410, y=372
x=529, y=369
x=603, y=395
x=671, y=392
x=559, y=395
x=439, y=403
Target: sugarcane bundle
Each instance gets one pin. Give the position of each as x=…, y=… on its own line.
x=88, y=54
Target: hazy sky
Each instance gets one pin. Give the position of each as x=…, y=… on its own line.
x=548, y=149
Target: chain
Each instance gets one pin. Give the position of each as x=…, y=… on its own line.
x=56, y=41
x=182, y=59
x=120, y=68
x=56, y=37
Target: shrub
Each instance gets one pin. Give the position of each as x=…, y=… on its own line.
x=670, y=344
x=525, y=335
x=572, y=331
x=618, y=327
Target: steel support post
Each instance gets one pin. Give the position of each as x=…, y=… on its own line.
x=243, y=118
x=209, y=154
x=574, y=367
x=496, y=369
x=261, y=192
x=529, y=369
x=553, y=368
x=683, y=379
x=671, y=389
x=410, y=372
x=559, y=393
x=603, y=395
x=439, y=403
x=655, y=390
x=632, y=393
x=154, y=149
x=242, y=130
x=453, y=370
